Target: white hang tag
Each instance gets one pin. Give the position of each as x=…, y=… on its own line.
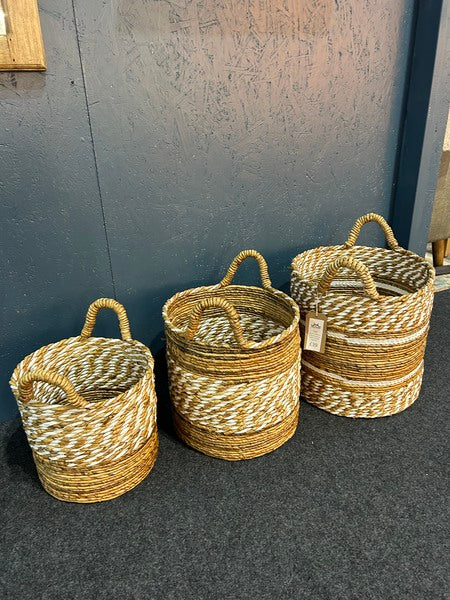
x=315, y=332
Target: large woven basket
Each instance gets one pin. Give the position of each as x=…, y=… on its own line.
x=88, y=407
x=378, y=304
x=233, y=356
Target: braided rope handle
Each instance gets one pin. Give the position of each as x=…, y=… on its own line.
x=263, y=270
x=355, y=230
x=25, y=386
x=227, y=307
x=93, y=310
x=355, y=265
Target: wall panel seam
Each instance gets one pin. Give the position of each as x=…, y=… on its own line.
x=94, y=153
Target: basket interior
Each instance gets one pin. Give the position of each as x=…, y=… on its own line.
x=262, y=314
x=98, y=368
x=394, y=273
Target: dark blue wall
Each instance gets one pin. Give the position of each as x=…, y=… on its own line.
x=165, y=137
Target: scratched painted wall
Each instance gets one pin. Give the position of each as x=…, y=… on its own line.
x=168, y=135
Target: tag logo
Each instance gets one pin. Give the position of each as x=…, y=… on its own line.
x=315, y=332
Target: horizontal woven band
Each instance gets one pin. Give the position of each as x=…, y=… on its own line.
x=363, y=383
x=236, y=365
x=404, y=279
x=371, y=340
x=104, y=481
x=233, y=409
x=368, y=403
x=115, y=377
x=354, y=361
x=236, y=447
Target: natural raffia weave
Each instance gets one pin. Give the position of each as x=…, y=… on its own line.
x=88, y=407
x=378, y=304
x=233, y=354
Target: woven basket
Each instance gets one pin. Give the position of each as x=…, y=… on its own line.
x=233, y=355
x=378, y=304
x=88, y=407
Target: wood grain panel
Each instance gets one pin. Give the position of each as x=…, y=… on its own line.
x=22, y=48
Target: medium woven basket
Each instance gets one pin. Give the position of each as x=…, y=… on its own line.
x=88, y=407
x=378, y=304
x=233, y=355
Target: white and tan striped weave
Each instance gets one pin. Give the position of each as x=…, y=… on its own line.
x=233, y=356
x=88, y=406
x=378, y=303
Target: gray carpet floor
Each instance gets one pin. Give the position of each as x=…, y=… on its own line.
x=348, y=509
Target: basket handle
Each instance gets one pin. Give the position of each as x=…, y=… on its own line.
x=25, y=386
x=93, y=310
x=355, y=230
x=263, y=270
x=353, y=264
x=227, y=307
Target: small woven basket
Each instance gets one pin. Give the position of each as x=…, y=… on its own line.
x=233, y=355
x=378, y=304
x=88, y=407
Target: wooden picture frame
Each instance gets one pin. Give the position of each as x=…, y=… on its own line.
x=21, y=45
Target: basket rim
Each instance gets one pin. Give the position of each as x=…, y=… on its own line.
x=387, y=299
x=275, y=339
x=13, y=382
